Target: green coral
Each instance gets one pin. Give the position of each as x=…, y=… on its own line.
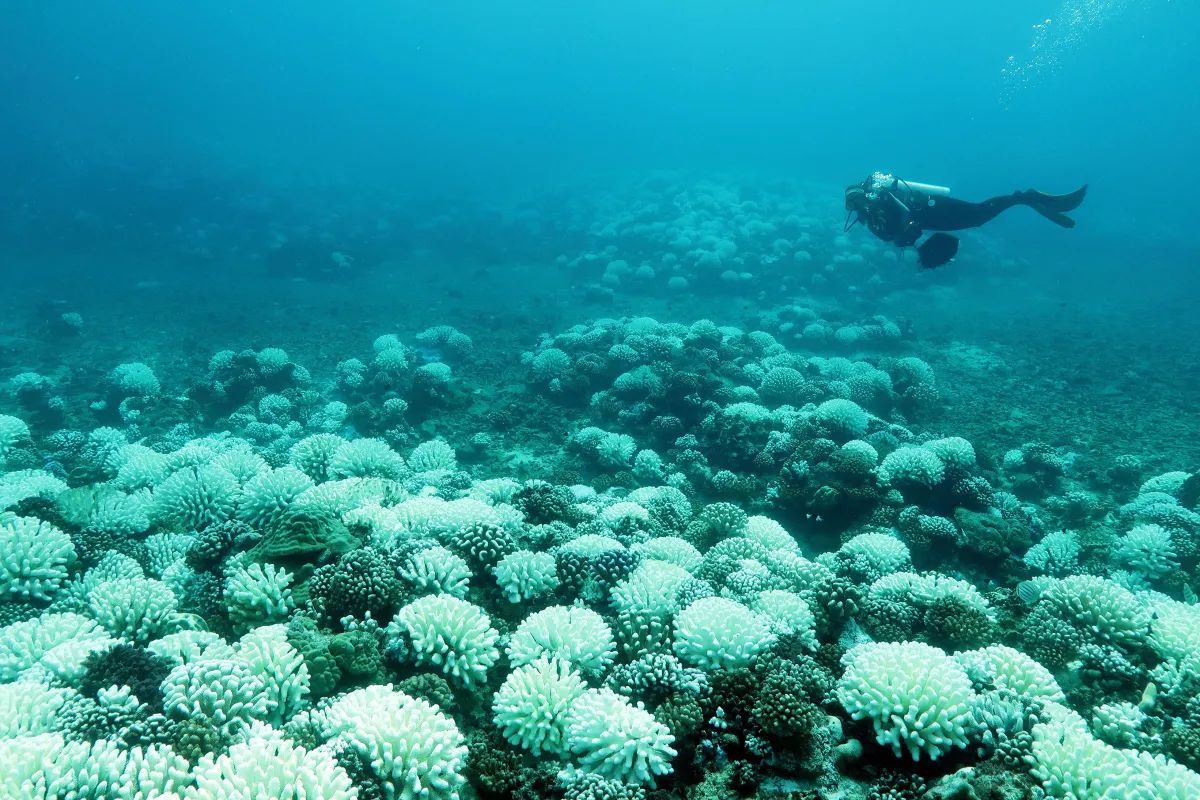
x=1182, y=743
x=783, y=710
x=498, y=771
x=357, y=654
x=1049, y=639
x=82, y=719
x=304, y=533
x=890, y=621
x=832, y=600
x=734, y=690
x=194, y=738
x=991, y=536
x=91, y=543
x=482, y=543
x=544, y=503
x=370, y=786
x=125, y=665
x=954, y=624
x=324, y=672
x=210, y=546
x=681, y=713
x=802, y=672
x=429, y=687
x=744, y=778
x=361, y=582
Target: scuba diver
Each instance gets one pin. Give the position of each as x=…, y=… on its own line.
x=900, y=212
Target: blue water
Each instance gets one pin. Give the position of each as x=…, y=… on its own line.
x=486, y=97
x=180, y=179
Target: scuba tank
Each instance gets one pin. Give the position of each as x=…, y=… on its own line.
x=926, y=188
x=880, y=182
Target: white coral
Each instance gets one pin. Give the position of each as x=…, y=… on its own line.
x=1006, y=668
x=35, y=559
x=106, y=768
x=268, y=765
x=224, y=692
x=1148, y=550
x=717, y=633
x=280, y=667
x=416, y=749
x=917, y=698
x=532, y=705
x=523, y=575
x=437, y=570
x=451, y=633
x=25, y=643
x=614, y=739
x=575, y=634
x=258, y=594
x=137, y=609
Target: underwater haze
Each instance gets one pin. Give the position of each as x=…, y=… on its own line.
x=600, y=401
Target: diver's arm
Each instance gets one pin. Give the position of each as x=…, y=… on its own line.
x=907, y=237
x=905, y=227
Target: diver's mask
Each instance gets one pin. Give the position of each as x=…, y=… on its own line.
x=856, y=204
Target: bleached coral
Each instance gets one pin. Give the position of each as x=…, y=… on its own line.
x=453, y=634
x=918, y=699
x=432, y=455
x=614, y=739
x=225, y=693
x=1057, y=554
x=1006, y=668
x=673, y=550
x=788, y=614
x=137, y=609
x=281, y=668
x=1148, y=550
x=266, y=497
x=715, y=633
x=30, y=707
x=35, y=559
x=769, y=533
x=1099, y=607
x=268, y=765
x=257, y=594
x=106, y=768
x=438, y=571
x=415, y=749
x=532, y=706
x=194, y=497
x=523, y=575
x=576, y=635
x=878, y=553
x=912, y=465
x=362, y=458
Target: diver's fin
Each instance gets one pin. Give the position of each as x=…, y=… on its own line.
x=937, y=250
x=1058, y=203
x=1053, y=216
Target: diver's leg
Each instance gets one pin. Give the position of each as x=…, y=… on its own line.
x=952, y=214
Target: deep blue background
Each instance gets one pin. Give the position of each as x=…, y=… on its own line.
x=486, y=96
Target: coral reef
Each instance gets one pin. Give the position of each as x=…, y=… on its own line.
x=619, y=558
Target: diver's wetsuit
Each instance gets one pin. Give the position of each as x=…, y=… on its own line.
x=952, y=214
x=900, y=213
